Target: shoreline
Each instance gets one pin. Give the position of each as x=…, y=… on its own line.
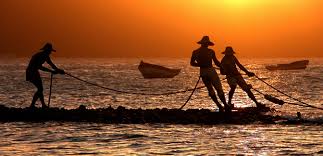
x=121, y=115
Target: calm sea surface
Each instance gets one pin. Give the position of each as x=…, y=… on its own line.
x=53, y=138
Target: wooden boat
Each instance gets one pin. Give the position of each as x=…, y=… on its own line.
x=122, y=115
x=149, y=71
x=302, y=64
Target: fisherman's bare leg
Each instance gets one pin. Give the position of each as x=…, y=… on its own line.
x=41, y=97
x=39, y=94
x=39, y=87
x=247, y=88
x=233, y=85
x=210, y=89
x=35, y=98
x=215, y=100
x=253, y=98
x=231, y=92
x=218, y=87
x=222, y=97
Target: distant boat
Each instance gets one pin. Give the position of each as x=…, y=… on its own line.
x=302, y=64
x=150, y=71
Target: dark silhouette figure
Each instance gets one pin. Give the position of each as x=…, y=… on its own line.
x=234, y=78
x=32, y=73
x=202, y=57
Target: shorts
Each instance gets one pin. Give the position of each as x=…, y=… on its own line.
x=34, y=78
x=238, y=80
x=211, y=79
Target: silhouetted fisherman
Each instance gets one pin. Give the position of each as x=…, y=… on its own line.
x=234, y=78
x=202, y=57
x=32, y=73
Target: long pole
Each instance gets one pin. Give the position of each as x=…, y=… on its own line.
x=50, y=88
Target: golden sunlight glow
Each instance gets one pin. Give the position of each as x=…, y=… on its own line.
x=231, y=3
x=167, y=28
x=238, y=2
x=243, y=4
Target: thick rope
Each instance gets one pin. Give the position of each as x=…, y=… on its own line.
x=281, y=102
x=270, y=98
x=189, y=98
x=127, y=92
x=285, y=93
x=297, y=104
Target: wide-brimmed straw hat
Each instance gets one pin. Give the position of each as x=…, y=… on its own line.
x=228, y=50
x=48, y=47
x=206, y=40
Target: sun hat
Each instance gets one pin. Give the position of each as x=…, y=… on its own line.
x=206, y=40
x=49, y=47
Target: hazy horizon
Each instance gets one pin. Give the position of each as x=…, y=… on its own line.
x=218, y=55
x=161, y=28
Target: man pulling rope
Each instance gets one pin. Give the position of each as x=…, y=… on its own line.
x=234, y=78
x=32, y=73
x=203, y=58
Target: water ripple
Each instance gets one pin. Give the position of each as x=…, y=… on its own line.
x=163, y=139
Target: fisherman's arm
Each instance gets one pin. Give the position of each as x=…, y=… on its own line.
x=215, y=60
x=193, y=60
x=49, y=61
x=250, y=74
x=46, y=69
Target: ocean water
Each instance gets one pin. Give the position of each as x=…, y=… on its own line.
x=53, y=138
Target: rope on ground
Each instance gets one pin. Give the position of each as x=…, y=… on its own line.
x=127, y=92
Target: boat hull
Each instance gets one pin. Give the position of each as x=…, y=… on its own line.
x=285, y=68
x=150, y=71
x=297, y=65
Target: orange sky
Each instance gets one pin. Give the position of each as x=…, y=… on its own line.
x=165, y=28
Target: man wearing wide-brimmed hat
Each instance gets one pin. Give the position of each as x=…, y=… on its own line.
x=32, y=73
x=203, y=58
x=234, y=78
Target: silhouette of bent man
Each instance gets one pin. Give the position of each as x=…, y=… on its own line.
x=32, y=73
x=234, y=78
x=202, y=57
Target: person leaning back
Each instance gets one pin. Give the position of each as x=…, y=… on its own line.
x=234, y=78
x=203, y=57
